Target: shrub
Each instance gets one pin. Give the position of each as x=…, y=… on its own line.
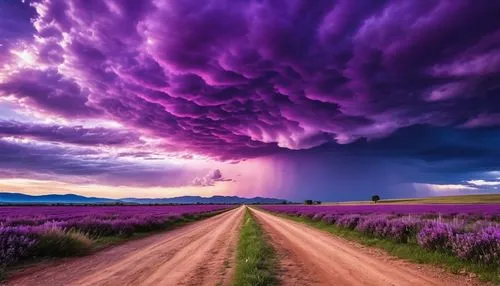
x=399, y=230
x=318, y=216
x=307, y=215
x=122, y=228
x=437, y=235
x=403, y=229
x=482, y=246
x=348, y=221
x=15, y=243
x=59, y=243
x=330, y=218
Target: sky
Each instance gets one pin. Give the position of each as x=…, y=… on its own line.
x=329, y=100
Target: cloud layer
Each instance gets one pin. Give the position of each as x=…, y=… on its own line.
x=239, y=79
x=68, y=134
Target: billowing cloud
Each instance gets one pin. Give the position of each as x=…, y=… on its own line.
x=240, y=79
x=49, y=91
x=210, y=179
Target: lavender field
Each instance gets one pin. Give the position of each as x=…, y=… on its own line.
x=470, y=232
x=27, y=232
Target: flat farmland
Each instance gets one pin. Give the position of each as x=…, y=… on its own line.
x=286, y=245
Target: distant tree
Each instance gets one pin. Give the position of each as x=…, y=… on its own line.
x=283, y=203
x=317, y=202
x=375, y=198
x=308, y=202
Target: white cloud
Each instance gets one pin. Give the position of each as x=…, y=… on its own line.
x=484, y=183
x=210, y=178
x=448, y=187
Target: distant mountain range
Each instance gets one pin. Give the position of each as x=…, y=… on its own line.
x=17, y=198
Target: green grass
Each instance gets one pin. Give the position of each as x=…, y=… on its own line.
x=256, y=261
x=409, y=251
x=59, y=243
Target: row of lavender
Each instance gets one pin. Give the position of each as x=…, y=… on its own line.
x=471, y=232
x=62, y=231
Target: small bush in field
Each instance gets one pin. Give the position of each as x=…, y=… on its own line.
x=60, y=243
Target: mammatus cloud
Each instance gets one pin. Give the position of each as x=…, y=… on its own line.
x=210, y=179
x=240, y=79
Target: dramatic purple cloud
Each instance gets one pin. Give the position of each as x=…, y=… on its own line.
x=254, y=77
x=239, y=79
x=49, y=91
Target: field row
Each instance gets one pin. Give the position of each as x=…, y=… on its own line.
x=470, y=232
x=28, y=232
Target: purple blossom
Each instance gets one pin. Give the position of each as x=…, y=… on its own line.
x=436, y=236
x=482, y=246
x=15, y=243
x=21, y=228
x=468, y=231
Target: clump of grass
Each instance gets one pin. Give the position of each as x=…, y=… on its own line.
x=59, y=243
x=256, y=261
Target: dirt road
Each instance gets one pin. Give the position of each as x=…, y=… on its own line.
x=201, y=253
x=309, y=256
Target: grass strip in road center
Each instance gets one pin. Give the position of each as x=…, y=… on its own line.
x=410, y=251
x=256, y=260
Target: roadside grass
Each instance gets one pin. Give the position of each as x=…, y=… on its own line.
x=55, y=244
x=256, y=260
x=60, y=243
x=410, y=251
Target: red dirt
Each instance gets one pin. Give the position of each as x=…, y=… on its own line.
x=309, y=256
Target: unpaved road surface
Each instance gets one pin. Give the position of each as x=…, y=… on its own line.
x=309, y=256
x=200, y=253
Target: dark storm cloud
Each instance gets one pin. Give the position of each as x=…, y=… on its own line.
x=68, y=134
x=240, y=79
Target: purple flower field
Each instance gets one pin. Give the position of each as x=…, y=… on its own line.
x=470, y=232
x=23, y=230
